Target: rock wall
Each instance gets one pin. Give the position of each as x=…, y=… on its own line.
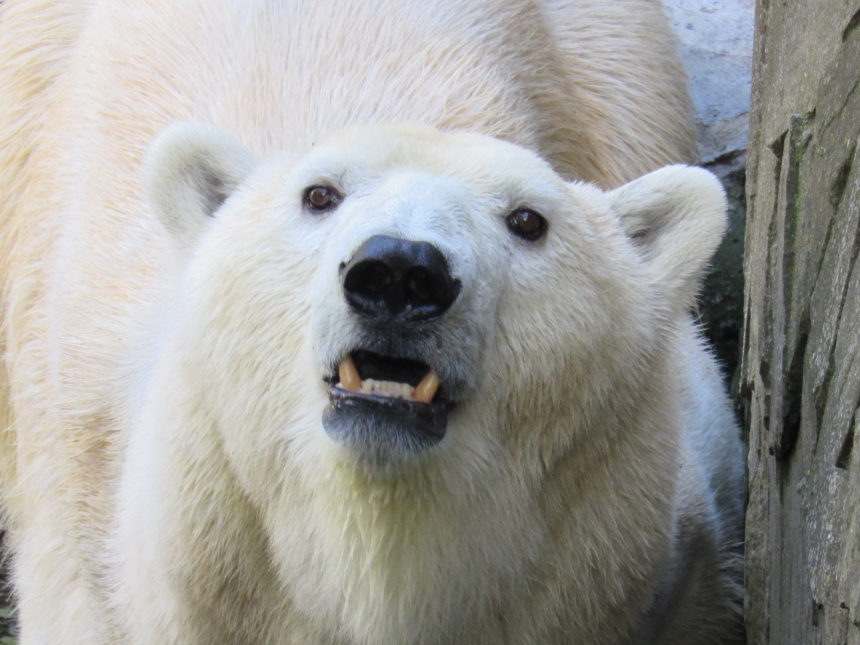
x=800, y=382
x=716, y=42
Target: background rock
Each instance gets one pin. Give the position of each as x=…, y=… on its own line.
x=716, y=42
x=801, y=357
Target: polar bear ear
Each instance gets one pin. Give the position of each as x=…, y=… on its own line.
x=189, y=170
x=676, y=216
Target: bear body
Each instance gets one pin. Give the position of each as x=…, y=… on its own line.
x=184, y=456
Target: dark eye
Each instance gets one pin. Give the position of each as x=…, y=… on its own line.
x=321, y=198
x=526, y=224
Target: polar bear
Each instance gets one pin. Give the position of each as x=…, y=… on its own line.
x=98, y=278
x=417, y=388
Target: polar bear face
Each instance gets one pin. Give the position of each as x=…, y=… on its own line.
x=401, y=295
x=430, y=241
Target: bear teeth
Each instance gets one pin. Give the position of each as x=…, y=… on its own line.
x=426, y=389
x=387, y=388
x=351, y=381
x=349, y=377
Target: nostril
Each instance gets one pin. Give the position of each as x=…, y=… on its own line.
x=369, y=279
x=377, y=277
x=420, y=284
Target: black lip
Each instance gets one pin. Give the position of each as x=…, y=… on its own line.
x=384, y=425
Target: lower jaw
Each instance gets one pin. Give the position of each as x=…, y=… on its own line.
x=383, y=428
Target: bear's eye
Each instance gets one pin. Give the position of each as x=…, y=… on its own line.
x=527, y=224
x=321, y=198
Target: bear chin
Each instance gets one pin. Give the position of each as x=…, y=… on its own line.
x=382, y=428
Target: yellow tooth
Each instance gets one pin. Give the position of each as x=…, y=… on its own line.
x=349, y=378
x=426, y=389
x=387, y=388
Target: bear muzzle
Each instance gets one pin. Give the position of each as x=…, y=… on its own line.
x=382, y=403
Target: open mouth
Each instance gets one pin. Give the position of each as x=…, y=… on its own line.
x=367, y=373
x=385, y=404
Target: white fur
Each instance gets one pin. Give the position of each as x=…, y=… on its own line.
x=165, y=474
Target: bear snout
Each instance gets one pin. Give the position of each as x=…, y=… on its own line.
x=391, y=278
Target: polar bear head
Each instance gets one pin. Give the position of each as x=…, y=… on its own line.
x=419, y=357
x=408, y=290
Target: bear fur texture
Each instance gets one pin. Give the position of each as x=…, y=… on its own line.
x=181, y=460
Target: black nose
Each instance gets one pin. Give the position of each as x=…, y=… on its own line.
x=394, y=278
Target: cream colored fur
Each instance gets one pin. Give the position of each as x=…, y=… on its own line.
x=163, y=470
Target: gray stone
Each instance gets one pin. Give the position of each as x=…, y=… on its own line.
x=800, y=379
x=716, y=41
